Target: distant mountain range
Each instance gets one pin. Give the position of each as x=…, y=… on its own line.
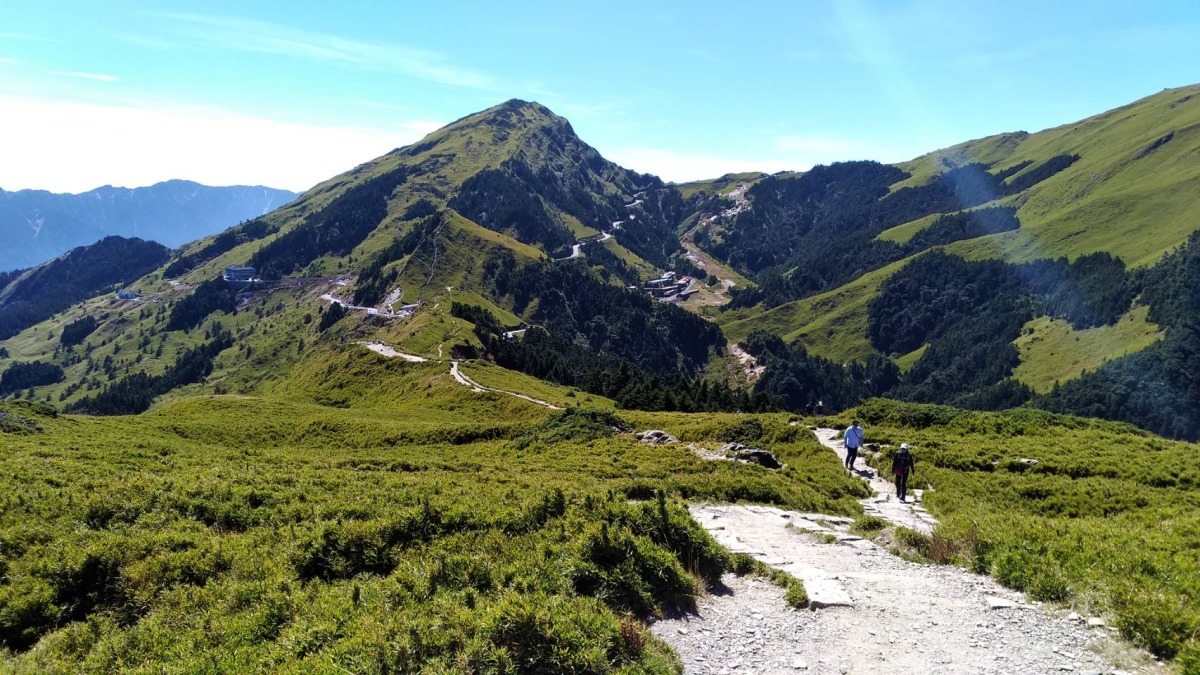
x=36, y=225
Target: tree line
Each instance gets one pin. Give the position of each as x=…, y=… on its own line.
x=209, y=296
x=334, y=230
x=793, y=379
x=78, y=330
x=25, y=375
x=135, y=393
x=1157, y=388
x=968, y=314
x=224, y=242
x=602, y=339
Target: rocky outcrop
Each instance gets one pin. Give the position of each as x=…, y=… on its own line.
x=655, y=437
x=741, y=453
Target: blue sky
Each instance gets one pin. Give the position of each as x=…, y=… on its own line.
x=289, y=93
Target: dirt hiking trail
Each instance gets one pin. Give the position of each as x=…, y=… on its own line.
x=884, y=502
x=876, y=612
x=460, y=377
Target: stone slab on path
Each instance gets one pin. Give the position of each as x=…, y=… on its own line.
x=754, y=526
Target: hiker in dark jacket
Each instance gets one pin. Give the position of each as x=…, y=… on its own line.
x=902, y=468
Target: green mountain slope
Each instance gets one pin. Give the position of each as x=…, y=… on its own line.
x=400, y=241
x=1130, y=193
x=832, y=324
x=353, y=462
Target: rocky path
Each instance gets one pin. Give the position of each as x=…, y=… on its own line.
x=884, y=502
x=750, y=365
x=878, y=612
x=373, y=311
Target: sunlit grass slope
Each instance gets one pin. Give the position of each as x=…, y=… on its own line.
x=1052, y=351
x=490, y=375
x=368, y=515
x=1132, y=192
x=900, y=234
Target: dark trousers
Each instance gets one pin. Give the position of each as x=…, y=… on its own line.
x=902, y=484
x=851, y=455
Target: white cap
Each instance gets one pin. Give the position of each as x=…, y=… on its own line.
x=904, y=446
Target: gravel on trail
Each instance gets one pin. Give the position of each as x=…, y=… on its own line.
x=896, y=616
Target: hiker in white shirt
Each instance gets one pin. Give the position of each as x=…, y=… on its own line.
x=853, y=438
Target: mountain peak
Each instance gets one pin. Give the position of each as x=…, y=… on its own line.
x=488, y=138
x=521, y=104
x=513, y=114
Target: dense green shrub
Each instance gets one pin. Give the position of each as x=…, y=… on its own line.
x=335, y=229
x=81, y=273
x=243, y=534
x=135, y=393
x=214, y=295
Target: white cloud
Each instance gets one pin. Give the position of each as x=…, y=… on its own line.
x=264, y=37
x=145, y=41
x=98, y=77
x=73, y=147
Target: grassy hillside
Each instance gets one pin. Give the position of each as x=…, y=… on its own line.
x=372, y=515
x=1052, y=351
x=436, y=169
x=832, y=325
x=718, y=186
x=1129, y=193
x=132, y=337
x=901, y=234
